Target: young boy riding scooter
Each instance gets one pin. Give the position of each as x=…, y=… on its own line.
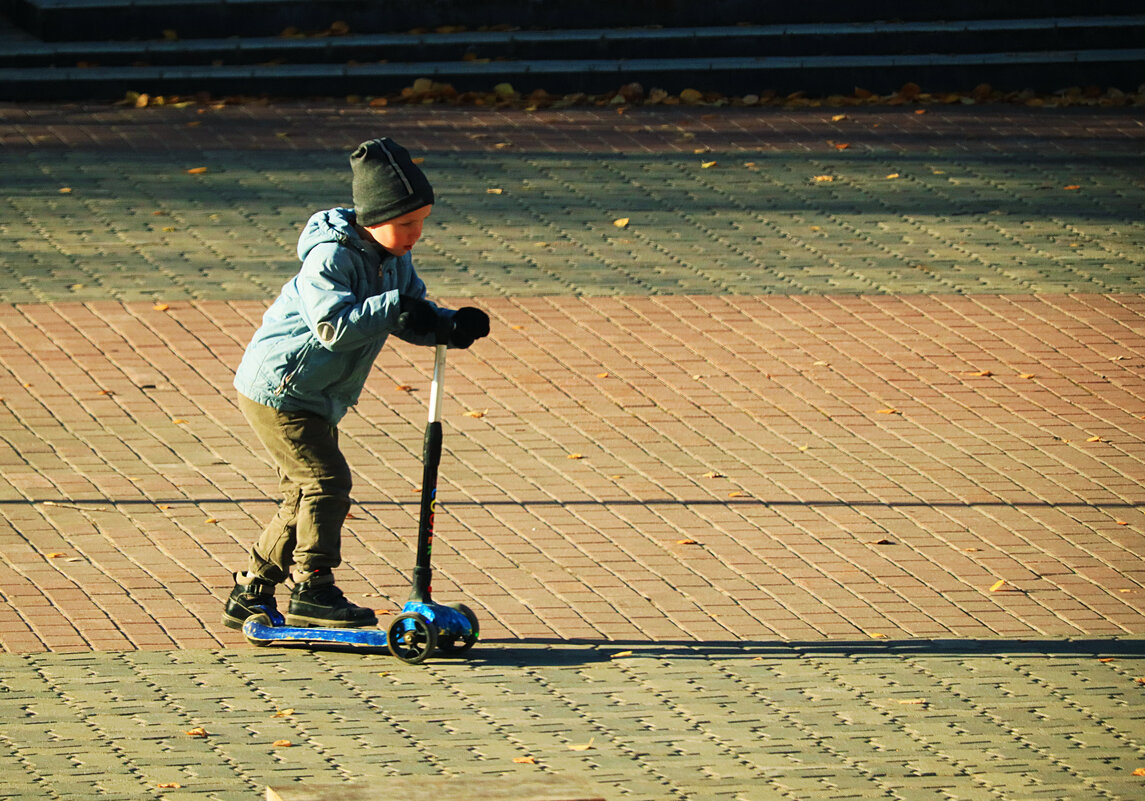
x=307, y=364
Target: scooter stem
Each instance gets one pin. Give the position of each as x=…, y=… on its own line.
x=431, y=460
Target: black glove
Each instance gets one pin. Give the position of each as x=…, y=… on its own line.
x=469, y=324
x=417, y=316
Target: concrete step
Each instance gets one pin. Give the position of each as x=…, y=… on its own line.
x=822, y=75
x=748, y=42
x=85, y=20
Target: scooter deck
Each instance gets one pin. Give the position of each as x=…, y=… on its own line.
x=266, y=629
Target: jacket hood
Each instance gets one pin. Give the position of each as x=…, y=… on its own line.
x=332, y=225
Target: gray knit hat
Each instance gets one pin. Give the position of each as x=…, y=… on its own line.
x=387, y=184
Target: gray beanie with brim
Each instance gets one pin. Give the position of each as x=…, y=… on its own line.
x=387, y=184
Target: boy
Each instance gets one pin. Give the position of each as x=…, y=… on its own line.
x=307, y=364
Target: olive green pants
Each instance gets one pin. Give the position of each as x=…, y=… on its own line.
x=314, y=479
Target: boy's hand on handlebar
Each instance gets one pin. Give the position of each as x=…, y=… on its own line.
x=417, y=316
x=469, y=325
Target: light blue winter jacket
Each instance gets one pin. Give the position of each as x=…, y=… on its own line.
x=319, y=339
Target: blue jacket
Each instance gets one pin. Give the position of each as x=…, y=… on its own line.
x=319, y=339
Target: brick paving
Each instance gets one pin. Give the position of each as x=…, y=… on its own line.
x=731, y=488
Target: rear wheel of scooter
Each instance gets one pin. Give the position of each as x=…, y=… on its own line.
x=461, y=644
x=411, y=638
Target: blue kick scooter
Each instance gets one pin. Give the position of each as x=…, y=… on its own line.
x=423, y=626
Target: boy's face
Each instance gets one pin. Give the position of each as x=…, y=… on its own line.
x=399, y=235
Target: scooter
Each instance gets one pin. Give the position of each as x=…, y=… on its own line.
x=423, y=626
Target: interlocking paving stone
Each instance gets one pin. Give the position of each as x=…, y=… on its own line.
x=819, y=420
x=844, y=720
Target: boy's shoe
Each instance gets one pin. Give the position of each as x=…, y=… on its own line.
x=248, y=598
x=317, y=602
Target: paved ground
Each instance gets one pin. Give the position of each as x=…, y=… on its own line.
x=819, y=479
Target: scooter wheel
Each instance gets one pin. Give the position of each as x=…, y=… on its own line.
x=411, y=638
x=462, y=644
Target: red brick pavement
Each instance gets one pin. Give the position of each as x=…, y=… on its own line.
x=672, y=467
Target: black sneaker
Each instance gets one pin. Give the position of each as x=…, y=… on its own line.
x=249, y=597
x=316, y=602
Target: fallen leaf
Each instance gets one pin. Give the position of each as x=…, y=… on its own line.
x=822, y=179
x=198, y=731
x=602, y=375
x=1122, y=522
x=283, y=713
x=1027, y=376
x=1139, y=772
x=282, y=744
x=212, y=520
x=1097, y=439
x=620, y=654
x=839, y=118
x=196, y=170
x=168, y=786
x=583, y=746
x=161, y=307
x=892, y=176
x=179, y=421
x=106, y=392
x=889, y=411
x=404, y=388
x=842, y=146
x=1107, y=659
x=1071, y=187
x=876, y=636
x=528, y=760
x=517, y=327
x=707, y=165
x=65, y=190
x=982, y=373
x=883, y=541
x=913, y=701
x=475, y=414
x=575, y=456
x=713, y=474
x=999, y=584
x=920, y=111
x=686, y=542
x=737, y=494
x=621, y=222
x=494, y=191
x=56, y=555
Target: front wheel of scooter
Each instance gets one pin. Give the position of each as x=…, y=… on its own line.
x=411, y=638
